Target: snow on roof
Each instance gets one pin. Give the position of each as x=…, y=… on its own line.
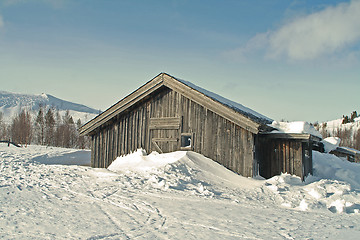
x=294, y=127
x=331, y=143
x=257, y=117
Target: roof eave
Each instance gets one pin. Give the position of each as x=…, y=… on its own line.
x=164, y=79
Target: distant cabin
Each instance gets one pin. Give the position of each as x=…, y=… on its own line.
x=169, y=114
x=350, y=154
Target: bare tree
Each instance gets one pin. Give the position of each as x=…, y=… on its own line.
x=21, y=128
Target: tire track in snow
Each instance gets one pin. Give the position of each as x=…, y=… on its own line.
x=142, y=216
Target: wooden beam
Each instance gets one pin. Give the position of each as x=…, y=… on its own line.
x=123, y=104
x=165, y=123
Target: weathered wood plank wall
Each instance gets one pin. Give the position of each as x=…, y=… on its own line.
x=284, y=156
x=213, y=136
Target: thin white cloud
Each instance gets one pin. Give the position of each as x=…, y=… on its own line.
x=258, y=42
x=323, y=33
x=317, y=34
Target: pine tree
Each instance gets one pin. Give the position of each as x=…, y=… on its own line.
x=49, y=127
x=353, y=116
x=345, y=120
x=40, y=126
x=81, y=139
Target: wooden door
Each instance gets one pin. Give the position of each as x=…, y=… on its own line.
x=164, y=134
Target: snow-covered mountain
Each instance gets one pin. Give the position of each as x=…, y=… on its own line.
x=12, y=104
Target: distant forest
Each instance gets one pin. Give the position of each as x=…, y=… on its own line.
x=50, y=129
x=47, y=128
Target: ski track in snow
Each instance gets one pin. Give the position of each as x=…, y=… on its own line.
x=181, y=201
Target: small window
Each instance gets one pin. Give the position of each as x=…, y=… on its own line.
x=186, y=141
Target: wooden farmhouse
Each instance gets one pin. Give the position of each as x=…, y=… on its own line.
x=168, y=114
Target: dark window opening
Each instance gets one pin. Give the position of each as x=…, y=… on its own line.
x=186, y=140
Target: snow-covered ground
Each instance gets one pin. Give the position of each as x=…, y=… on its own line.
x=180, y=195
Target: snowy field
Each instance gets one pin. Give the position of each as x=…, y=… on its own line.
x=180, y=195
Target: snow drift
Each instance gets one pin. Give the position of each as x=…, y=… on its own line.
x=334, y=186
x=179, y=195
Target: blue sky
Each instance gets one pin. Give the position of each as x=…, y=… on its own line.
x=292, y=60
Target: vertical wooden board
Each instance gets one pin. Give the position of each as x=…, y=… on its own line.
x=288, y=156
x=244, y=159
x=135, y=130
x=170, y=104
x=306, y=158
x=114, y=143
x=122, y=137
x=262, y=156
x=235, y=146
x=106, y=147
x=284, y=157
x=274, y=159
x=144, y=127
x=101, y=157
x=223, y=153
x=219, y=135
x=140, y=128
x=101, y=148
x=131, y=132
x=240, y=150
x=216, y=139
x=119, y=138
x=98, y=146
x=202, y=123
x=126, y=139
x=198, y=127
x=187, y=115
x=93, y=150
x=160, y=107
x=291, y=157
x=147, y=129
x=281, y=157
x=227, y=144
x=115, y=131
x=164, y=109
x=110, y=144
x=245, y=149
x=231, y=145
x=298, y=159
x=249, y=155
x=208, y=134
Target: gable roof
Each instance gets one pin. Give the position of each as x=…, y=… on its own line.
x=228, y=109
